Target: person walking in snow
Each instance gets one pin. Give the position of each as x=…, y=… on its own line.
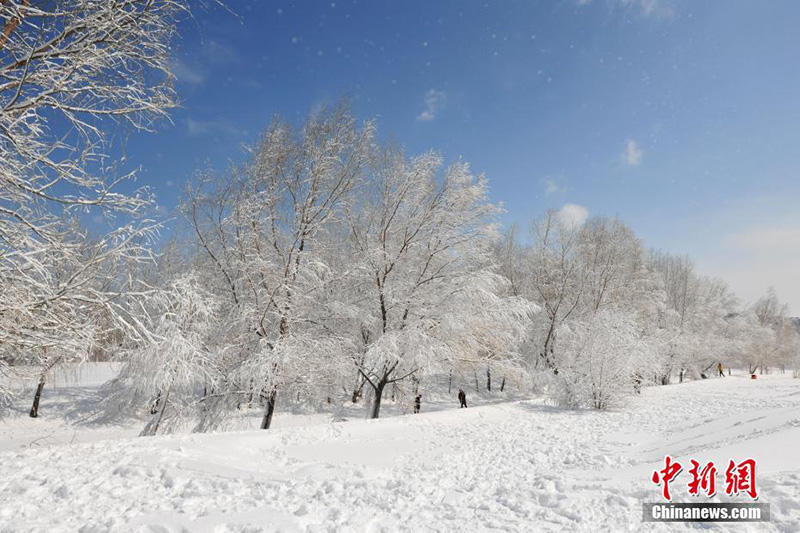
x=417, y=402
x=462, y=398
x=719, y=368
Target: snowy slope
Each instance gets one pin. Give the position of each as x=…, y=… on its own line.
x=521, y=466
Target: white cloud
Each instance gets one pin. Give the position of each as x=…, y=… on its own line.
x=213, y=54
x=645, y=7
x=197, y=128
x=752, y=260
x=434, y=101
x=220, y=53
x=766, y=240
x=632, y=154
x=572, y=215
x=550, y=186
x=187, y=74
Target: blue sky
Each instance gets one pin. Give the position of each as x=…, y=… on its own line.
x=680, y=117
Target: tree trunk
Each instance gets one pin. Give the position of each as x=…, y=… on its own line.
x=266, y=422
x=376, y=401
x=450, y=383
x=503, y=384
x=156, y=403
x=358, y=389
x=161, y=413
x=488, y=379
x=152, y=427
x=547, y=352
x=37, y=397
x=477, y=385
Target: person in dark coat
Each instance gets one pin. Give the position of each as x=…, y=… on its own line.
x=462, y=398
x=417, y=402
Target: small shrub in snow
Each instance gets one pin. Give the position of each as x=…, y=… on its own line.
x=597, y=361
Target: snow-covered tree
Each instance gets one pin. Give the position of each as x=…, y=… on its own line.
x=71, y=73
x=429, y=298
x=585, y=273
x=699, y=312
x=262, y=230
x=768, y=337
x=597, y=359
x=574, y=270
x=171, y=372
x=555, y=282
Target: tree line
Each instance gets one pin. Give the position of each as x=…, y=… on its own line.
x=328, y=266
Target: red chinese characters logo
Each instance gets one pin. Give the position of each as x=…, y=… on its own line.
x=704, y=479
x=665, y=476
x=739, y=478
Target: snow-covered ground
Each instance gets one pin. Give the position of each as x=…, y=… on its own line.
x=513, y=466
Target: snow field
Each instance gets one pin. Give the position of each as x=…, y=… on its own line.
x=520, y=466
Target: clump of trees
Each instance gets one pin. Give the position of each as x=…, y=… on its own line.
x=72, y=73
x=336, y=260
x=616, y=316
x=328, y=266
x=342, y=268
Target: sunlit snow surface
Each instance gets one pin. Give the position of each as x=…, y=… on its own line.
x=516, y=466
